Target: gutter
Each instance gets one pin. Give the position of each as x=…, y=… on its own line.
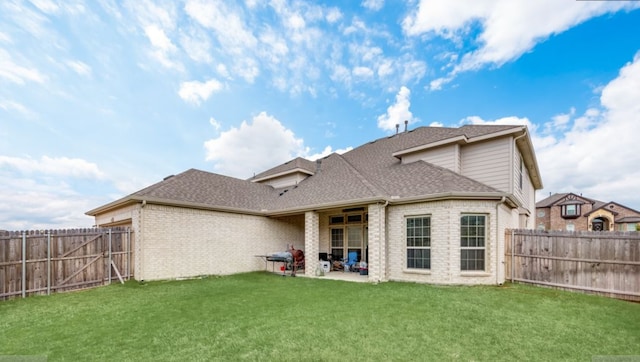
x=502, y=200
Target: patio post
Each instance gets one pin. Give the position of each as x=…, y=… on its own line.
x=311, y=241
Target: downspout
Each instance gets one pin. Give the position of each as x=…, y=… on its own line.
x=502, y=200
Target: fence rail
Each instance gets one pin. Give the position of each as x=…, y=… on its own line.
x=42, y=262
x=603, y=263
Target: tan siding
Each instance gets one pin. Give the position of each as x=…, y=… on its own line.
x=489, y=163
x=119, y=216
x=286, y=180
x=446, y=157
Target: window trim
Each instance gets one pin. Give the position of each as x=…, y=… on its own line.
x=407, y=247
x=566, y=215
x=485, y=238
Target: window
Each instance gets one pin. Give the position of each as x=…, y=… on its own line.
x=337, y=243
x=336, y=220
x=520, y=176
x=571, y=227
x=473, y=231
x=348, y=233
x=570, y=211
x=419, y=242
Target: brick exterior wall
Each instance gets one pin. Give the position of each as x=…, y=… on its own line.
x=179, y=242
x=173, y=242
x=445, y=242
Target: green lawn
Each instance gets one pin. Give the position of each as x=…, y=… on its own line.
x=262, y=316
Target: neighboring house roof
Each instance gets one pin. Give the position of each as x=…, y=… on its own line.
x=368, y=173
x=629, y=219
x=609, y=206
x=556, y=199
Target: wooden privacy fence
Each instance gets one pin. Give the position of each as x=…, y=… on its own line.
x=604, y=263
x=42, y=262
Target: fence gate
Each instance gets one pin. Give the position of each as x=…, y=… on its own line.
x=42, y=262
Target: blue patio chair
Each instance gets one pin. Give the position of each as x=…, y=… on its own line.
x=352, y=261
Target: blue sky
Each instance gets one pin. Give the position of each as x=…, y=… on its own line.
x=99, y=99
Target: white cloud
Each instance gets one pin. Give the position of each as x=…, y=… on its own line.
x=508, y=29
x=398, y=112
x=326, y=152
x=226, y=22
x=163, y=47
x=362, y=72
x=46, y=6
x=79, y=67
x=373, y=5
x=437, y=84
x=253, y=147
x=30, y=204
x=197, y=45
x=216, y=125
x=56, y=166
x=17, y=73
x=195, y=92
x=9, y=105
x=333, y=15
x=598, y=155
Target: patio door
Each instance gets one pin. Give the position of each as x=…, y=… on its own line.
x=349, y=238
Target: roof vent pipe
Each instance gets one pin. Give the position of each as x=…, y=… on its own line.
x=406, y=124
x=397, y=128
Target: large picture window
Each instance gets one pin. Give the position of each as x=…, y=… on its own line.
x=473, y=235
x=419, y=242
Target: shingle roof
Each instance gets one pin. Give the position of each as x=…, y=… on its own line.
x=369, y=172
x=555, y=198
x=296, y=163
x=206, y=188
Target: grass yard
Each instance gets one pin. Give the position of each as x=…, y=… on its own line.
x=262, y=316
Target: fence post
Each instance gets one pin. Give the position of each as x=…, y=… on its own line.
x=109, y=256
x=48, y=262
x=24, y=265
x=128, y=255
x=512, y=252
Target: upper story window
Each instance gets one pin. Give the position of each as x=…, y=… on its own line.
x=520, y=179
x=570, y=211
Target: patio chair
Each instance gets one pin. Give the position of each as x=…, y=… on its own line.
x=352, y=261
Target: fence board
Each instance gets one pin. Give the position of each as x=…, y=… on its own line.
x=604, y=263
x=61, y=260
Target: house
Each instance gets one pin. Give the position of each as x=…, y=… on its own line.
x=572, y=212
x=426, y=205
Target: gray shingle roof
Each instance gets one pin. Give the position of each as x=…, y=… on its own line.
x=369, y=172
x=296, y=163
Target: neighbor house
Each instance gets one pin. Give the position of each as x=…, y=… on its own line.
x=426, y=205
x=572, y=212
